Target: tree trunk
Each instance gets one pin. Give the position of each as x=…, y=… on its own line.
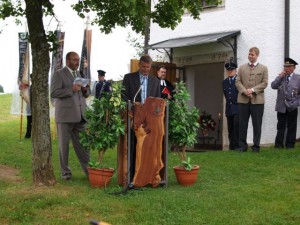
x=147, y=27
x=41, y=139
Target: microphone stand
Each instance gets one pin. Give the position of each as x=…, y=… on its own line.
x=137, y=94
x=131, y=138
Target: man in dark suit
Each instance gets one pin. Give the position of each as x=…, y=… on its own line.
x=232, y=113
x=140, y=85
x=287, y=84
x=70, y=107
x=101, y=85
x=166, y=88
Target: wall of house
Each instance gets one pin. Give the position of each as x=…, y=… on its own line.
x=262, y=24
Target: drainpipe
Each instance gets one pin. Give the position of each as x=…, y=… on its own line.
x=287, y=28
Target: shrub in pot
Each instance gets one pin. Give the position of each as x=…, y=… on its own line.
x=104, y=125
x=183, y=127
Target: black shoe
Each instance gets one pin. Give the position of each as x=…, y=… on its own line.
x=27, y=136
x=130, y=186
x=243, y=149
x=255, y=149
x=278, y=146
x=66, y=177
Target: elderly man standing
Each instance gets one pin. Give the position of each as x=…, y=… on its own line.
x=287, y=84
x=70, y=107
x=251, y=82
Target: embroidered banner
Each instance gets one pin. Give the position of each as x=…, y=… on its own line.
x=86, y=55
x=23, y=76
x=57, y=56
x=57, y=59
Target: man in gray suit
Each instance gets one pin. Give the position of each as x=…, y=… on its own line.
x=70, y=106
x=251, y=81
x=287, y=84
x=138, y=86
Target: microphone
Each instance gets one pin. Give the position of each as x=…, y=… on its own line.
x=138, y=91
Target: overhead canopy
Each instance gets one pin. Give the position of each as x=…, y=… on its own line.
x=194, y=40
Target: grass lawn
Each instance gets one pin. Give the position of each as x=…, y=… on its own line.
x=232, y=189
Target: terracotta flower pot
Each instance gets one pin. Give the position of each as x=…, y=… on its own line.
x=185, y=177
x=100, y=177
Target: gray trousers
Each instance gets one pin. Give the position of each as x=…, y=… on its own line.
x=67, y=131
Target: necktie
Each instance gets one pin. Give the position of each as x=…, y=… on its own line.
x=288, y=78
x=74, y=74
x=252, y=65
x=144, y=89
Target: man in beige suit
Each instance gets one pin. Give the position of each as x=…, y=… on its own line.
x=70, y=106
x=251, y=82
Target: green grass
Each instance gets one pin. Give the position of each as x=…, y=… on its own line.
x=231, y=189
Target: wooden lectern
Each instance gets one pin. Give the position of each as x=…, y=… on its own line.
x=143, y=150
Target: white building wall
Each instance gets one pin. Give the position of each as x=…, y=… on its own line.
x=262, y=24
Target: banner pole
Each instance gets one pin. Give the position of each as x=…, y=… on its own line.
x=21, y=119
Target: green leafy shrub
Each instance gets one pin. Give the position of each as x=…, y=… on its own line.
x=183, y=122
x=105, y=122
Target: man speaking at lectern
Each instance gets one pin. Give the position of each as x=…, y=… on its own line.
x=139, y=86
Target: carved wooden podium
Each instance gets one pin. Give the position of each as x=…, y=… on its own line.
x=142, y=151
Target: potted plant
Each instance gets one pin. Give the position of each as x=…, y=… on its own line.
x=104, y=125
x=183, y=127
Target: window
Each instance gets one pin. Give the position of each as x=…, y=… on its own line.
x=211, y=3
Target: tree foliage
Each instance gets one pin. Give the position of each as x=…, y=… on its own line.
x=166, y=13
x=1, y=89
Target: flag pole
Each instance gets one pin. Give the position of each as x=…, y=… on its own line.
x=21, y=119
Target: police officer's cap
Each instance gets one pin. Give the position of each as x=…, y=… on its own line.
x=101, y=73
x=290, y=62
x=230, y=66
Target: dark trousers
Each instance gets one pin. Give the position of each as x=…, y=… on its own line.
x=287, y=123
x=29, y=125
x=233, y=131
x=256, y=112
x=133, y=142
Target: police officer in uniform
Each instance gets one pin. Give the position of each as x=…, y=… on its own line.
x=231, y=93
x=101, y=85
x=287, y=84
